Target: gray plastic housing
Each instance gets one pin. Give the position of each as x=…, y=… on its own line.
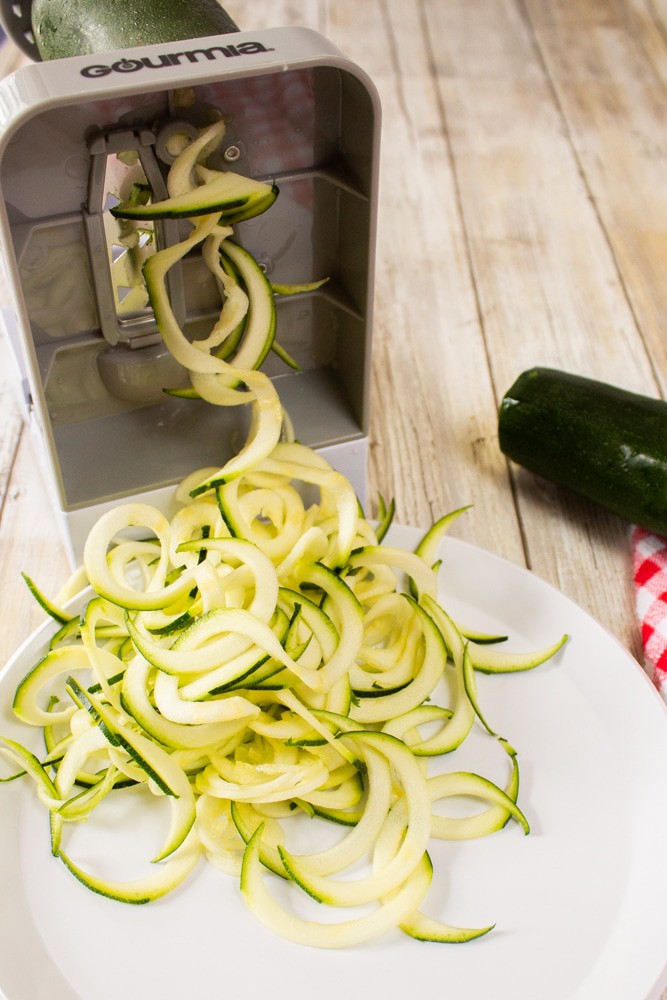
x=298, y=113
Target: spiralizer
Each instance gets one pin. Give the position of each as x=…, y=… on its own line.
x=74, y=133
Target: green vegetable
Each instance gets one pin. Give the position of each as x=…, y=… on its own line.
x=606, y=443
x=222, y=677
x=74, y=27
x=227, y=193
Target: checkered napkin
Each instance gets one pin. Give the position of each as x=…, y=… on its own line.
x=649, y=555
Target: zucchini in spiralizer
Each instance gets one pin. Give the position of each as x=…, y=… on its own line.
x=65, y=28
x=227, y=193
x=223, y=366
x=606, y=443
x=232, y=195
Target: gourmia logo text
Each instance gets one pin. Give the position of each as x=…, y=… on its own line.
x=175, y=59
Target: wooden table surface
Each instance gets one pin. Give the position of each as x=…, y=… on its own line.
x=523, y=221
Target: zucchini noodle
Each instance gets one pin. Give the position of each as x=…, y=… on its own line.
x=259, y=661
x=251, y=681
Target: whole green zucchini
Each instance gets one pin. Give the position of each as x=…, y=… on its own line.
x=76, y=27
x=606, y=443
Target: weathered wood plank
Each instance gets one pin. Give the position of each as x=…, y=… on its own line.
x=607, y=64
x=10, y=419
x=30, y=542
x=548, y=283
x=434, y=414
x=260, y=14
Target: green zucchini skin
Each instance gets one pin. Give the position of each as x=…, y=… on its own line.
x=65, y=28
x=606, y=443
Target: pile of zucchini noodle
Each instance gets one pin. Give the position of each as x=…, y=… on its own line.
x=260, y=659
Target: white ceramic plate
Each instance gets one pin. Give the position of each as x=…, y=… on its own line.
x=580, y=905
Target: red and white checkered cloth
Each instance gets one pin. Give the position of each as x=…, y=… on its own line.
x=649, y=555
